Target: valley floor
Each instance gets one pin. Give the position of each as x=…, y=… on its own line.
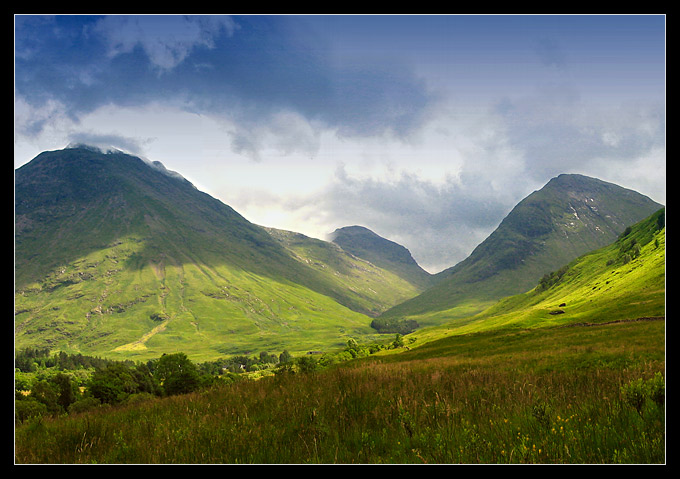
x=577, y=395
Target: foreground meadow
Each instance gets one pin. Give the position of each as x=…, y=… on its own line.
x=583, y=394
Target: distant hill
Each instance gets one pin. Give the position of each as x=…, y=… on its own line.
x=366, y=244
x=376, y=285
x=570, y=216
x=116, y=256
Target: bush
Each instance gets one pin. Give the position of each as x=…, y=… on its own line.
x=307, y=364
x=177, y=374
x=391, y=326
x=27, y=408
x=638, y=392
x=84, y=404
x=550, y=279
x=113, y=384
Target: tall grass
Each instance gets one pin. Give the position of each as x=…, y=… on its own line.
x=482, y=398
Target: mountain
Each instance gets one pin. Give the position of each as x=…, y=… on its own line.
x=115, y=255
x=375, y=285
x=570, y=216
x=364, y=243
x=623, y=281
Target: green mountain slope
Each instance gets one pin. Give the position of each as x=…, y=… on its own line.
x=625, y=280
x=570, y=216
x=375, y=285
x=116, y=257
x=382, y=252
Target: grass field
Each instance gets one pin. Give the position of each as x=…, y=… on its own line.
x=540, y=396
x=514, y=384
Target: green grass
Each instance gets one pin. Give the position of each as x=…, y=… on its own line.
x=597, y=287
x=511, y=386
x=98, y=307
x=544, y=396
x=115, y=259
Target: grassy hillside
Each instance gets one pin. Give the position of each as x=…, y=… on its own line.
x=374, y=287
x=384, y=253
x=98, y=306
x=625, y=280
x=539, y=396
x=116, y=258
x=512, y=385
x=570, y=216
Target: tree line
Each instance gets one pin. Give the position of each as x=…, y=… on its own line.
x=61, y=383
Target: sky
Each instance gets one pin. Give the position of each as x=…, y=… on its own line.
x=426, y=129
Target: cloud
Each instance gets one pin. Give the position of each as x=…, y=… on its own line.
x=282, y=134
x=557, y=130
x=439, y=222
x=250, y=70
x=167, y=39
x=255, y=109
x=104, y=141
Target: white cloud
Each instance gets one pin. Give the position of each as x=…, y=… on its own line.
x=166, y=39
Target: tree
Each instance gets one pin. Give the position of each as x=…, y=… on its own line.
x=28, y=407
x=146, y=381
x=66, y=389
x=398, y=341
x=177, y=374
x=46, y=393
x=113, y=384
x=307, y=364
x=284, y=357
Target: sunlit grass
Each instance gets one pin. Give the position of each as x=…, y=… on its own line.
x=481, y=398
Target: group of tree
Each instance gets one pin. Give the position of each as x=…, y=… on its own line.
x=59, y=388
x=31, y=359
x=112, y=383
x=550, y=279
x=394, y=326
x=53, y=384
x=244, y=363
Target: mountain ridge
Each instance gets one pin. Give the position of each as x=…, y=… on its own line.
x=364, y=243
x=621, y=282
x=571, y=215
x=115, y=256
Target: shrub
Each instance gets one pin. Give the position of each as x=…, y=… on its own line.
x=636, y=393
x=84, y=404
x=113, y=384
x=307, y=364
x=27, y=408
x=178, y=374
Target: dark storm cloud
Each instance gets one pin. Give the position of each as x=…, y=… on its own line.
x=245, y=68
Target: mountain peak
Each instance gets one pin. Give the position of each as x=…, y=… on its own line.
x=114, y=256
x=570, y=216
x=106, y=149
x=364, y=243
x=100, y=148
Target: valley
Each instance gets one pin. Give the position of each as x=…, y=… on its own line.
x=119, y=258
x=291, y=349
